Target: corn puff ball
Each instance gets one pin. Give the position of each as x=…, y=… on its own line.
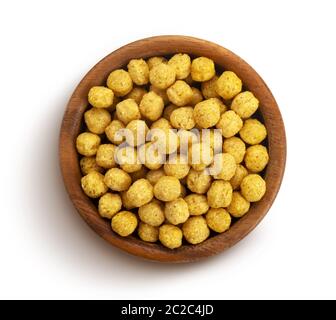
x=206, y=113
x=238, y=206
x=138, y=71
x=93, y=184
x=100, y=97
x=180, y=93
x=229, y=123
x=195, y=230
x=170, y=236
x=148, y=233
x=245, y=104
x=162, y=76
x=228, y=85
x=109, y=204
x=167, y=188
x=199, y=181
x=124, y=223
x=181, y=63
x=253, y=131
x=120, y=82
x=202, y=69
x=117, y=179
x=176, y=211
x=97, y=119
x=236, y=147
x=197, y=204
x=219, y=194
x=140, y=192
x=151, y=106
x=152, y=213
x=87, y=144
x=218, y=219
x=253, y=187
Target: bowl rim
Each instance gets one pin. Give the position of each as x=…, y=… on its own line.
x=162, y=46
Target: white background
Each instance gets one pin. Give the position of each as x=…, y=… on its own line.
x=47, y=251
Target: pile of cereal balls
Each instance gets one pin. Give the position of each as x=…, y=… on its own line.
x=162, y=201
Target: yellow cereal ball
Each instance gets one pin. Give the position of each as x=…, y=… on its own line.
x=162, y=123
x=140, y=174
x=186, y=138
x=228, y=85
x=105, y=156
x=109, y=204
x=88, y=164
x=151, y=106
x=152, y=213
x=100, y=97
x=206, y=113
x=253, y=131
x=199, y=181
x=177, y=166
x=222, y=106
x=167, y=188
x=154, y=61
x=112, y=132
x=150, y=156
x=253, y=187
x=220, y=194
x=120, y=82
x=168, y=111
x=170, y=236
x=148, y=233
x=202, y=69
x=139, y=71
x=214, y=138
x=128, y=110
x=224, y=166
x=154, y=175
x=93, y=184
x=166, y=140
x=195, y=230
x=238, y=206
x=87, y=144
x=176, y=211
x=117, y=179
x=256, y=158
x=127, y=158
x=125, y=201
x=140, y=192
x=229, y=123
x=162, y=76
x=183, y=118
x=200, y=155
x=235, y=147
x=136, y=94
x=209, y=88
x=218, y=219
x=245, y=104
x=160, y=92
x=180, y=93
x=238, y=177
x=196, y=97
x=97, y=119
x=197, y=204
x=137, y=132
x=124, y=223
x=181, y=63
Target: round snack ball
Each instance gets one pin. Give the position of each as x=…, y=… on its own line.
x=229, y=123
x=162, y=123
x=140, y=174
x=224, y=165
x=220, y=194
x=218, y=219
x=152, y=213
x=176, y=211
x=97, y=119
x=139, y=71
x=151, y=106
x=136, y=94
x=235, y=147
x=137, y=132
x=195, y=230
x=238, y=177
x=117, y=179
x=112, y=130
x=154, y=175
x=160, y=92
x=238, y=206
x=253, y=131
x=187, y=139
x=196, y=97
x=183, y=118
x=93, y=184
x=253, y=187
x=245, y=104
x=124, y=223
x=199, y=181
x=206, y=113
x=180, y=93
x=197, y=204
x=88, y=164
x=200, y=155
x=177, y=166
x=209, y=88
x=256, y=158
x=202, y=69
x=109, y=204
x=150, y=156
x=140, y=192
x=181, y=63
x=100, y=97
x=105, y=156
x=87, y=144
x=120, y=82
x=148, y=233
x=162, y=76
x=127, y=110
x=125, y=201
x=127, y=158
x=170, y=236
x=167, y=188
x=154, y=61
x=168, y=111
x=228, y=85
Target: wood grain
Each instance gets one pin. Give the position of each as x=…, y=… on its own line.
x=167, y=45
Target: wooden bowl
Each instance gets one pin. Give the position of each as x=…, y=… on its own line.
x=161, y=46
